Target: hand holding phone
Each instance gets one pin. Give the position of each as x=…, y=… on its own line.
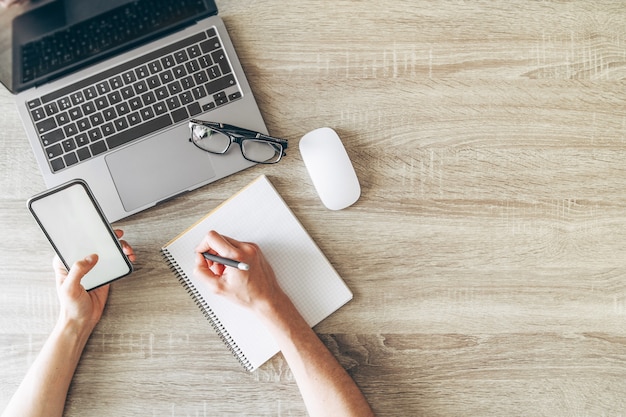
x=73, y=222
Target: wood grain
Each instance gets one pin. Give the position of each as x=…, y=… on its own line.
x=486, y=253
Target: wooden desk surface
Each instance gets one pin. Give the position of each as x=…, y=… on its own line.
x=487, y=251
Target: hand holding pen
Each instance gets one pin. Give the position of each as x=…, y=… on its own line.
x=237, y=270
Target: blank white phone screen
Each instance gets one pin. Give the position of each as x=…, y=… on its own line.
x=76, y=229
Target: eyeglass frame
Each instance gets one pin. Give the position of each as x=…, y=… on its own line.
x=230, y=131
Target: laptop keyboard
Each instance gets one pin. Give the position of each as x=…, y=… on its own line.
x=134, y=99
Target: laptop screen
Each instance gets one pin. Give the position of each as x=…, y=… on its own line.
x=45, y=39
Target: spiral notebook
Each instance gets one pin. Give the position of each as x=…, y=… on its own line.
x=258, y=214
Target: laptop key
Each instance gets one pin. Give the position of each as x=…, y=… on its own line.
x=90, y=93
x=63, y=118
x=154, y=67
x=214, y=72
x=234, y=96
x=194, y=108
x=220, y=59
x=70, y=159
x=68, y=145
x=57, y=164
x=83, y=153
x=147, y=113
x=179, y=115
x=54, y=151
x=168, y=61
x=160, y=108
x=64, y=103
x=134, y=118
x=220, y=98
x=109, y=114
x=103, y=87
x=77, y=98
x=120, y=123
x=210, y=45
x=129, y=77
x=88, y=108
x=38, y=114
x=122, y=108
x=98, y=147
x=142, y=72
x=140, y=87
x=107, y=129
x=192, y=66
x=220, y=84
x=162, y=93
x=51, y=108
x=173, y=103
x=179, y=71
x=116, y=82
x=46, y=125
x=75, y=113
x=153, y=82
x=200, y=77
x=70, y=130
x=81, y=140
x=115, y=97
x=174, y=88
x=96, y=119
x=205, y=61
x=185, y=97
x=180, y=56
x=127, y=92
x=52, y=137
x=193, y=51
x=95, y=134
x=199, y=92
x=101, y=103
x=34, y=103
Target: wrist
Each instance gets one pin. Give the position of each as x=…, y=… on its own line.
x=277, y=312
x=72, y=329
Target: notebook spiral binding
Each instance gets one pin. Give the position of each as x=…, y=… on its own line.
x=206, y=310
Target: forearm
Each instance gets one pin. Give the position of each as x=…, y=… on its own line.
x=326, y=387
x=44, y=389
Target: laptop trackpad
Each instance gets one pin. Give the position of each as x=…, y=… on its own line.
x=157, y=168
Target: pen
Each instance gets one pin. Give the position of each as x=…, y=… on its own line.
x=225, y=261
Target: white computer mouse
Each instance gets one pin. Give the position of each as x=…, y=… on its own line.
x=330, y=168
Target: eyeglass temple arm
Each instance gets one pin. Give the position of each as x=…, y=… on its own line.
x=237, y=130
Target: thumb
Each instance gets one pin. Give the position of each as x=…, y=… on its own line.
x=79, y=270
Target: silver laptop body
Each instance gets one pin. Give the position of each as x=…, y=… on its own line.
x=134, y=176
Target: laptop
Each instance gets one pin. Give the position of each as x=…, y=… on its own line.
x=105, y=90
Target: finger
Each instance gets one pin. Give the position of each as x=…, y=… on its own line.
x=78, y=271
x=203, y=268
x=60, y=272
x=233, y=242
x=213, y=241
x=128, y=250
x=57, y=264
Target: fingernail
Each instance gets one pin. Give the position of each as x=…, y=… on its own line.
x=90, y=258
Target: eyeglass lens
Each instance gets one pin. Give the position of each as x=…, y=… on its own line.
x=255, y=150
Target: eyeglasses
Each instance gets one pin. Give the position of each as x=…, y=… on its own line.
x=255, y=147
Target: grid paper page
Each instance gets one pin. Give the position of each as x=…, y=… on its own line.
x=258, y=214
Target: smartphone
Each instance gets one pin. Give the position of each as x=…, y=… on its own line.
x=75, y=225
